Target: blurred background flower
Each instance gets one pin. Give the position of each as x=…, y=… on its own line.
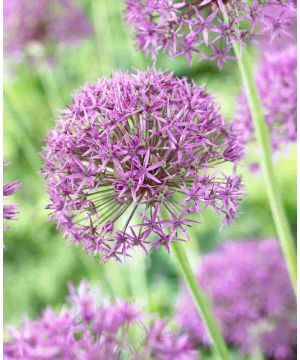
x=87, y=329
x=276, y=80
x=252, y=299
x=41, y=23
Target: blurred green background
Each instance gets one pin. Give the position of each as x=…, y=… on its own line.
x=37, y=261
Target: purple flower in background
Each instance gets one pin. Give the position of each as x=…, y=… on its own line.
x=252, y=299
x=277, y=85
x=44, y=22
x=10, y=212
x=269, y=38
x=135, y=156
x=198, y=27
x=87, y=330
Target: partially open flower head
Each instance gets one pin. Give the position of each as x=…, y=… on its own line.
x=252, y=299
x=10, y=211
x=87, y=329
x=276, y=81
x=205, y=29
x=28, y=23
x=135, y=156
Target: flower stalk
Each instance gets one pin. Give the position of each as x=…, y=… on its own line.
x=201, y=301
x=262, y=135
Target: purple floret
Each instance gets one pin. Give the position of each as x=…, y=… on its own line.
x=197, y=29
x=87, y=330
x=276, y=81
x=252, y=299
x=42, y=21
x=10, y=212
x=134, y=156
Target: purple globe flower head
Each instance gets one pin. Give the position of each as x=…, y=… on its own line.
x=41, y=22
x=87, y=330
x=251, y=296
x=276, y=81
x=10, y=212
x=198, y=28
x=134, y=156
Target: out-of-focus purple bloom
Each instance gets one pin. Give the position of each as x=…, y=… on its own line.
x=165, y=345
x=276, y=81
x=252, y=299
x=135, y=156
x=87, y=330
x=269, y=37
x=198, y=27
x=44, y=22
x=10, y=212
x=279, y=26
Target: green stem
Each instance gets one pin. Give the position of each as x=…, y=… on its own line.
x=201, y=301
x=137, y=269
x=262, y=134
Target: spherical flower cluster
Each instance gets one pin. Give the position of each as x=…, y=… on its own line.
x=276, y=81
x=134, y=156
x=44, y=22
x=85, y=330
x=199, y=27
x=251, y=296
x=10, y=212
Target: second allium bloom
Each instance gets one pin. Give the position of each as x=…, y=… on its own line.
x=199, y=29
x=135, y=156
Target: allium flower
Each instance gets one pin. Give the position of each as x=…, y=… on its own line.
x=134, y=156
x=279, y=36
x=276, y=81
x=10, y=212
x=198, y=27
x=85, y=330
x=42, y=22
x=252, y=299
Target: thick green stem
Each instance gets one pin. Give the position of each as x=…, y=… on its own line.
x=262, y=134
x=201, y=301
